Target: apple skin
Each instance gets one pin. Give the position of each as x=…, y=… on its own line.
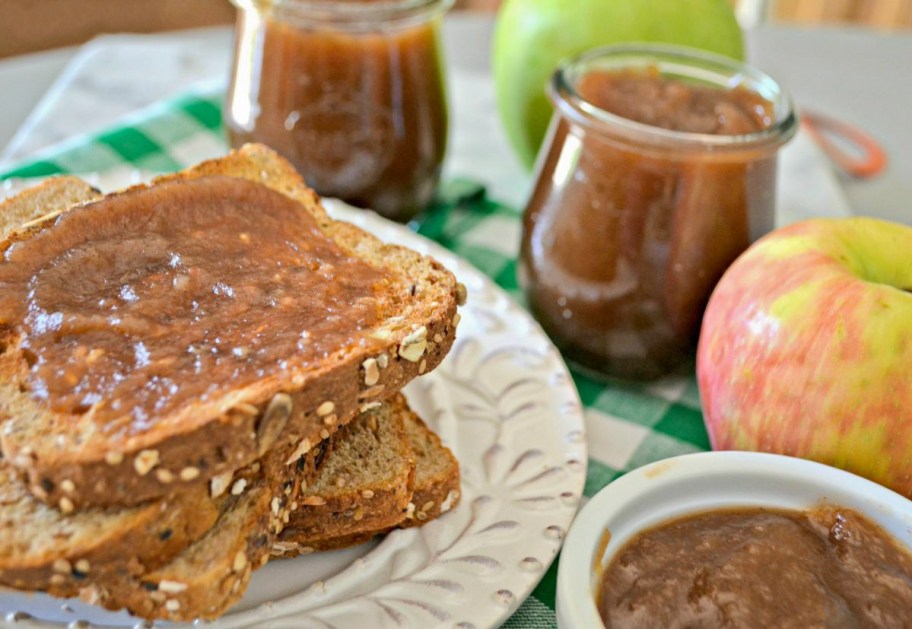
x=806, y=348
x=533, y=37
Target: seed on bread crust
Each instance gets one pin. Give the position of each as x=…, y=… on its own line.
x=461, y=294
x=273, y=422
x=449, y=501
x=83, y=566
x=238, y=488
x=329, y=420
x=67, y=486
x=371, y=372
x=373, y=391
x=164, y=476
x=325, y=408
x=189, y=473
x=91, y=594
x=240, y=561
x=62, y=566
x=303, y=448
x=456, y=319
x=412, y=346
x=145, y=461
x=383, y=360
x=422, y=366
x=219, y=484
x=381, y=334
x=172, y=587
x=368, y=406
x=66, y=505
x=313, y=501
x=172, y=605
x=114, y=458
x=247, y=409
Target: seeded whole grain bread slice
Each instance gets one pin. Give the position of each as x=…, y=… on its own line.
x=365, y=486
x=43, y=549
x=210, y=575
x=73, y=466
x=434, y=491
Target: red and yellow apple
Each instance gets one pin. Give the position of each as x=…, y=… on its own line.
x=806, y=348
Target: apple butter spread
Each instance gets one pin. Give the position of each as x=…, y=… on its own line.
x=353, y=96
x=649, y=187
x=136, y=305
x=828, y=567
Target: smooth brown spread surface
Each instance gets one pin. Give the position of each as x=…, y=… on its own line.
x=621, y=253
x=134, y=306
x=830, y=567
x=650, y=98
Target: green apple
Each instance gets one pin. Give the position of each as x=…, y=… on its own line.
x=806, y=348
x=534, y=36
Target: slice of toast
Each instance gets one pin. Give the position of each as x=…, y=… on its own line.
x=42, y=549
x=211, y=574
x=435, y=491
x=75, y=457
x=436, y=476
x=365, y=486
x=62, y=554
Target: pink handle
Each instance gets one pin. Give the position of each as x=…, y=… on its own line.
x=824, y=129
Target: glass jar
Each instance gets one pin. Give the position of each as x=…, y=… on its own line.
x=636, y=214
x=351, y=91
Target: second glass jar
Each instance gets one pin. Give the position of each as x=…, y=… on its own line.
x=658, y=171
x=352, y=92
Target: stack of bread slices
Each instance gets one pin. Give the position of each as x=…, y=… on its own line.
x=151, y=461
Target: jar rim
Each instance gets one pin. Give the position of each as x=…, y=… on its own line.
x=686, y=62
x=351, y=14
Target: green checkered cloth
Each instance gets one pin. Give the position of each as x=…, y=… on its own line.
x=628, y=425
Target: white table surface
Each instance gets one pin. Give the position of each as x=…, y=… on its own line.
x=859, y=76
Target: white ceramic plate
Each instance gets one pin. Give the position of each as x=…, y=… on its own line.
x=504, y=402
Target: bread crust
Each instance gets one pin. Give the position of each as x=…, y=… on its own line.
x=430, y=494
x=327, y=510
x=102, y=472
x=98, y=546
x=211, y=574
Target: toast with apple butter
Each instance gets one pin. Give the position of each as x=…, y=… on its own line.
x=173, y=332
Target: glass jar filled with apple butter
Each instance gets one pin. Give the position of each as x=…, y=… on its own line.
x=659, y=169
x=351, y=91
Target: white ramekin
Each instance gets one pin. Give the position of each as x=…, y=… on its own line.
x=701, y=482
